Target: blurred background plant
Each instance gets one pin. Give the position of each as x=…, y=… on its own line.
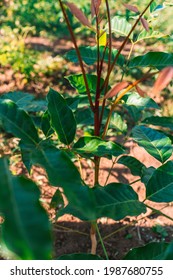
x=31, y=30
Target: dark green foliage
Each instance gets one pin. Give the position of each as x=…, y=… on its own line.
x=61, y=132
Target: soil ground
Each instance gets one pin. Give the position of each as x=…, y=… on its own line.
x=70, y=234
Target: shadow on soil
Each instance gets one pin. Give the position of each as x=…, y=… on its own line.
x=73, y=237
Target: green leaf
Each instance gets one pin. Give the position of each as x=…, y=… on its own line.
x=45, y=124
x=159, y=188
x=36, y=106
x=19, y=97
x=26, y=229
x=135, y=100
x=18, y=122
x=77, y=81
x=147, y=174
x=56, y=163
x=94, y=146
x=72, y=102
x=155, y=143
x=115, y=201
x=153, y=6
x=62, y=117
x=144, y=35
x=118, y=123
x=160, y=121
x=84, y=116
x=169, y=252
x=136, y=167
x=120, y=26
x=89, y=55
x=26, y=152
x=26, y=101
x=151, y=251
x=157, y=60
x=79, y=257
x=57, y=200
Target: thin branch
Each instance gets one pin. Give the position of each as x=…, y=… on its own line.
x=146, y=76
x=109, y=60
x=125, y=41
x=110, y=170
x=78, y=54
x=110, y=36
x=101, y=241
x=159, y=212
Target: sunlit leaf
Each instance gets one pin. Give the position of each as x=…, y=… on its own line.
x=77, y=81
x=118, y=123
x=95, y=146
x=135, y=100
x=102, y=38
x=155, y=143
x=144, y=35
x=157, y=60
x=120, y=26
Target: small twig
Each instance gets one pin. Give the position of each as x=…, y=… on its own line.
x=159, y=212
x=135, y=181
x=125, y=41
x=138, y=232
x=110, y=170
x=101, y=241
x=66, y=229
x=120, y=96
